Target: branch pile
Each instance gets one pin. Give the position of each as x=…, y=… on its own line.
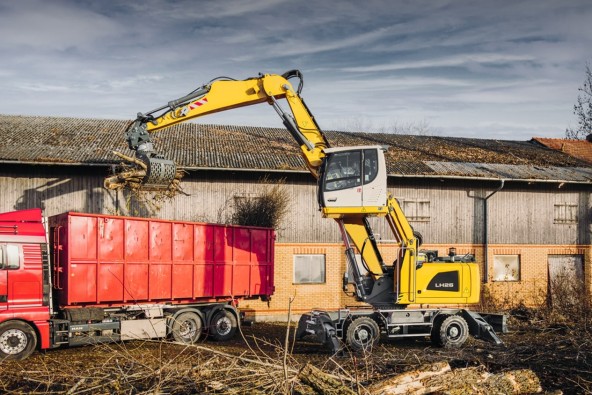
x=131, y=174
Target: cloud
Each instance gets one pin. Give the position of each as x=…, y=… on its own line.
x=462, y=65
x=448, y=61
x=53, y=26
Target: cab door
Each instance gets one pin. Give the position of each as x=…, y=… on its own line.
x=374, y=191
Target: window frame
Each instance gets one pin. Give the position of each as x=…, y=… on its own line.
x=8, y=258
x=411, y=208
x=565, y=213
x=323, y=273
x=357, y=179
x=507, y=268
x=374, y=166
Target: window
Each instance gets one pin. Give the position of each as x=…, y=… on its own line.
x=416, y=210
x=309, y=269
x=9, y=256
x=506, y=268
x=343, y=171
x=370, y=165
x=565, y=213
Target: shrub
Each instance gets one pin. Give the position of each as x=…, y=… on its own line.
x=266, y=210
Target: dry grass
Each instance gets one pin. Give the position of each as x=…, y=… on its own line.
x=560, y=356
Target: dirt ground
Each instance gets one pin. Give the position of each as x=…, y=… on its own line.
x=256, y=362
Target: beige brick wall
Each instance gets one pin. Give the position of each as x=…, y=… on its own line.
x=531, y=289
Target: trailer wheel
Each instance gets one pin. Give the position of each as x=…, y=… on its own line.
x=223, y=325
x=362, y=334
x=187, y=328
x=17, y=340
x=452, y=331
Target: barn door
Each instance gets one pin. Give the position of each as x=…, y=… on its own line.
x=566, y=280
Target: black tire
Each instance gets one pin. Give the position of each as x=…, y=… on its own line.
x=223, y=325
x=18, y=340
x=362, y=334
x=187, y=328
x=419, y=238
x=435, y=333
x=453, y=332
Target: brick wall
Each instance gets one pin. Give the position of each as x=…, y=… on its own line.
x=530, y=289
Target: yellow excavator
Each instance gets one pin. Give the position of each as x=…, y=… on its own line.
x=352, y=187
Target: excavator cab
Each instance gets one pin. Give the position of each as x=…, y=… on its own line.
x=353, y=180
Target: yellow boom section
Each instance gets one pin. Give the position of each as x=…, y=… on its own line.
x=223, y=95
x=360, y=234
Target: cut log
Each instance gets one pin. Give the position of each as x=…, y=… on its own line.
x=323, y=383
x=409, y=382
x=523, y=381
x=438, y=378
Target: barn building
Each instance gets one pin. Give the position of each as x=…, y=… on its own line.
x=522, y=208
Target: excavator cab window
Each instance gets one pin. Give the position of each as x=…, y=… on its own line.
x=343, y=171
x=370, y=165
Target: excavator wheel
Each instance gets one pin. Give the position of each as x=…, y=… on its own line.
x=419, y=238
x=435, y=333
x=362, y=334
x=450, y=332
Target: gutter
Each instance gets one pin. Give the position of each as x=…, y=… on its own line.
x=473, y=178
x=193, y=168
x=250, y=170
x=486, y=231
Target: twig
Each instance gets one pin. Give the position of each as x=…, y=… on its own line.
x=287, y=388
x=131, y=159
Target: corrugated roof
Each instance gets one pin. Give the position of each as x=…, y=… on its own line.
x=581, y=149
x=90, y=141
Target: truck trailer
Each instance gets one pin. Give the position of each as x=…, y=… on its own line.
x=75, y=279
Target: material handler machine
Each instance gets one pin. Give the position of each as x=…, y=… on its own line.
x=352, y=187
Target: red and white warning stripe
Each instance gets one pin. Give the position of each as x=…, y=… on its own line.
x=198, y=103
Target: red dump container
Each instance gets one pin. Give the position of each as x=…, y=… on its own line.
x=102, y=260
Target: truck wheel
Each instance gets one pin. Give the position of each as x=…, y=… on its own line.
x=187, y=328
x=362, y=334
x=453, y=331
x=17, y=340
x=223, y=325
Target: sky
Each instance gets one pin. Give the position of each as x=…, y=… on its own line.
x=491, y=69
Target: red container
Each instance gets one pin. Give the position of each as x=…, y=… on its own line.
x=104, y=260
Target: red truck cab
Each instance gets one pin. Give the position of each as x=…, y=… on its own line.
x=24, y=283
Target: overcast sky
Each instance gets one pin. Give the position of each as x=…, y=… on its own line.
x=486, y=69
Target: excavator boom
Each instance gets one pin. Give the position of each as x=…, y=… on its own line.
x=222, y=95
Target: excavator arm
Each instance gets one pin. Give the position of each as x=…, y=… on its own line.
x=220, y=95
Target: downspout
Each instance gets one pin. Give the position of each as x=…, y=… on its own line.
x=486, y=231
